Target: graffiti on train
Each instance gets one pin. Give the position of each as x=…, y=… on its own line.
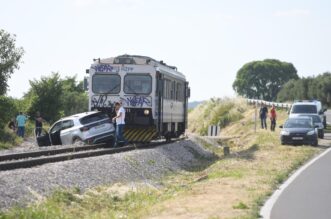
x=137, y=101
x=104, y=101
x=101, y=101
x=106, y=68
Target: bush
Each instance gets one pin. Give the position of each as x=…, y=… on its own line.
x=8, y=111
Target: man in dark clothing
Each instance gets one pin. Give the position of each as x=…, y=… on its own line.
x=39, y=124
x=263, y=116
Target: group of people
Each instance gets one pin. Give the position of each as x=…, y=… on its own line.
x=17, y=125
x=264, y=115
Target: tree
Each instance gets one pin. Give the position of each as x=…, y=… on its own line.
x=263, y=79
x=54, y=97
x=8, y=110
x=75, y=99
x=10, y=57
x=45, y=96
x=307, y=88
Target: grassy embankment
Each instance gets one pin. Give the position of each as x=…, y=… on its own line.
x=226, y=187
x=9, y=139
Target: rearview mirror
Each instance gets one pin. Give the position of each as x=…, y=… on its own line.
x=281, y=126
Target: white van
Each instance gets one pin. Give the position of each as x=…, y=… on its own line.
x=307, y=107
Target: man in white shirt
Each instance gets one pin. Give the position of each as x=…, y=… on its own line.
x=120, y=122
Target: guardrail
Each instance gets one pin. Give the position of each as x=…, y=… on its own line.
x=267, y=103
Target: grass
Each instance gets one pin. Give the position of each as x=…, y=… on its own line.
x=234, y=186
x=8, y=139
x=216, y=111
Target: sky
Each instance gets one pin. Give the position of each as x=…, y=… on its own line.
x=208, y=40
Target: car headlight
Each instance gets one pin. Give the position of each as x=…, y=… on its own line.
x=311, y=132
x=283, y=132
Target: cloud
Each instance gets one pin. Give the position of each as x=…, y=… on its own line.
x=293, y=13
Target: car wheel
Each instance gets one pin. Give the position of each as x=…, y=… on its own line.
x=78, y=142
x=322, y=134
x=315, y=143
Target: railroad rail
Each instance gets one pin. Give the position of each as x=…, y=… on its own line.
x=36, y=158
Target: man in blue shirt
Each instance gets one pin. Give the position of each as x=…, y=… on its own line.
x=21, y=120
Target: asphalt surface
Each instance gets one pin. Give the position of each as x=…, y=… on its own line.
x=309, y=195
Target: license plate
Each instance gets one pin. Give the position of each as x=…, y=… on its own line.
x=297, y=138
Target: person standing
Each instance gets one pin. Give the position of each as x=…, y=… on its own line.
x=21, y=120
x=120, y=122
x=273, y=117
x=263, y=116
x=12, y=125
x=39, y=124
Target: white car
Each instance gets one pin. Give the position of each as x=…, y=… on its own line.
x=90, y=127
x=308, y=107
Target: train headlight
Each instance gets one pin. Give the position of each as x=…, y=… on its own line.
x=146, y=112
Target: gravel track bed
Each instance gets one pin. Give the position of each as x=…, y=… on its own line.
x=18, y=187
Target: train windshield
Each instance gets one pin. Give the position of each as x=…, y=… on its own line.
x=106, y=84
x=137, y=84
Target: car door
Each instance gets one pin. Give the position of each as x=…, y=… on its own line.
x=43, y=139
x=55, y=132
x=66, y=131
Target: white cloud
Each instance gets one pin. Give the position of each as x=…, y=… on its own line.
x=293, y=13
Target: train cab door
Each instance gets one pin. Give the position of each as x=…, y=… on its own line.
x=160, y=97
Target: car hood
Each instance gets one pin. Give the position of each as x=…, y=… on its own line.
x=298, y=130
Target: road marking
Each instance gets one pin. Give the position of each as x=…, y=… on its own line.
x=268, y=205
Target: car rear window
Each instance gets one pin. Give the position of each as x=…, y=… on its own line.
x=93, y=118
x=298, y=123
x=304, y=109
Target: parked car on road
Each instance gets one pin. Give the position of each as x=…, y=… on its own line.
x=90, y=127
x=299, y=130
x=317, y=122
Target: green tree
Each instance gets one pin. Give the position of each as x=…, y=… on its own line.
x=8, y=110
x=307, y=88
x=10, y=57
x=45, y=96
x=75, y=99
x=263, y=79
x=54, y=97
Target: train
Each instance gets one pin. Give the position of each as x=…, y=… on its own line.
x=154, y=95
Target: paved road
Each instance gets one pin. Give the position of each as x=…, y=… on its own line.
x=309, y=195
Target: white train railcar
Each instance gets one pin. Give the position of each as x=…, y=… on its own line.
x=154, y=95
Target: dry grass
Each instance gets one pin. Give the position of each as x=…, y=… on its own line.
x=229, y=187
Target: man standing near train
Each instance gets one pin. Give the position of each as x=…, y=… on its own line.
x=120, y=122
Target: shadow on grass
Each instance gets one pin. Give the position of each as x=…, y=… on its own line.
x=248, y=154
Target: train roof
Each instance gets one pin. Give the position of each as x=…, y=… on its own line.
x=141, y=60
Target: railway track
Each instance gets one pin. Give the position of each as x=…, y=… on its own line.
x=35, y=158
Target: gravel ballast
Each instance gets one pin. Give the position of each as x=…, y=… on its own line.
x=21, y=186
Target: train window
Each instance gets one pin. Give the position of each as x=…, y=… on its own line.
x=172, y=92
x=137, y=84
x=167, y=89
x=106, y=84
x=179, y=92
